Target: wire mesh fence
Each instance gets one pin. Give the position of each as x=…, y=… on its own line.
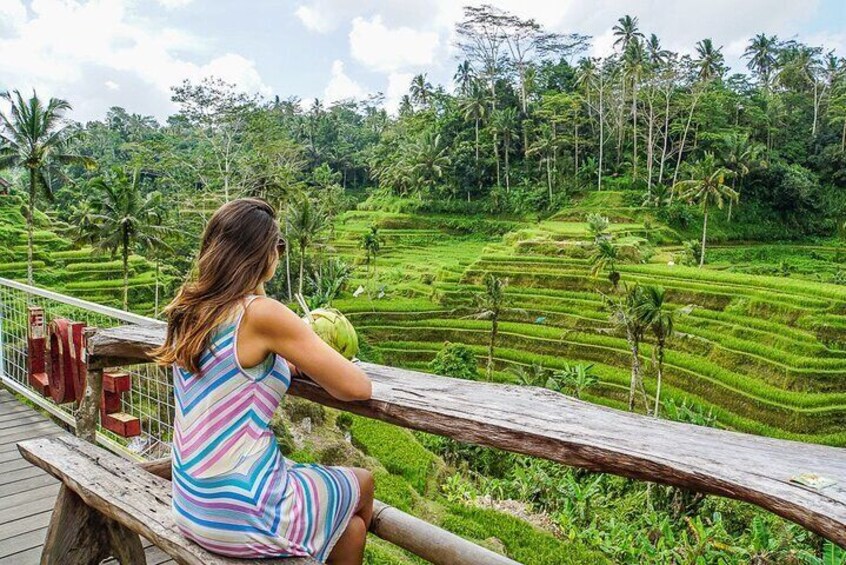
x=150, y=397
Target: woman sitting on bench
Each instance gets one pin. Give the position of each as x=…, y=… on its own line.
x=233, y=351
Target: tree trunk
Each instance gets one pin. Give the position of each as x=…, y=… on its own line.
x=496, y=157
x=507, y=174
x=666, y=139
x=477, y=148
x=549, y=178
x=684, y=140
x=156, y=299
x=288, y=264
x=656, y=411
x=125, y=271
x=601, y=146
x=843, y=138
x=29, y=222
x=302, y=267
x=635, y=349
x=731, y=200
x=634, y=130
x=576, y=149
x=650, y=146
x=704, y=232
x=491, y=345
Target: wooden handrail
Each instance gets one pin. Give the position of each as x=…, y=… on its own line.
x=543, y=423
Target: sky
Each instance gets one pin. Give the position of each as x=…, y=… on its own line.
x=102, y=53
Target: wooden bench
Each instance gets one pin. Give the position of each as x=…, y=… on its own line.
x=105, y=504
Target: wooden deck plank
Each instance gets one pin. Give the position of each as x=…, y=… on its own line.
x=27, y=493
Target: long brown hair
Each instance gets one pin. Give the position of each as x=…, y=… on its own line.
x=238, y=250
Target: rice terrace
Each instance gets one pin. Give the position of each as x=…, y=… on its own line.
x=574, y=260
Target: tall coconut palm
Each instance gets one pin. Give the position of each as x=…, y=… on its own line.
x=655, y=314
x=35, y=137
x=625, y=31
x=475, y=107
x=634, y=67
x=739, y=155
x=707, y=188
x=505, y=125
x=710, y=60
x=464, y=78
x=429, y=159
x=762, y=53
x=126, y=218
x=605, y=256
x=625, y=314
x=491, y=304
x=307, y=226
x=421, y=90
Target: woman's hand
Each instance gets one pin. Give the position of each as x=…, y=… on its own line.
x=281, y=331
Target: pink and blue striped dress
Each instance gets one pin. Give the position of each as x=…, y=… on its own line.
x=233, y=491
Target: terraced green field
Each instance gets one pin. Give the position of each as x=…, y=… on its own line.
x=65, y=268
x=764, y=352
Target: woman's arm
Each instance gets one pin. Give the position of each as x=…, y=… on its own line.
x=283, y=332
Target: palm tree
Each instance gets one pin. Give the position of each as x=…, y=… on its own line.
x=475, y=107
x=421, y=90
x=464, y=78
x=656, y=315
x=126, y=218
x=710, y=60
x=625, y=314
x=490, y=305
x=762, y=53
x=626, y=30
x=634, y=66
x=429, y=159
x=34, y=136
x=740, y=154
x=307, y=224
x=707, y=188
x=605, y=256
x=577, y=378
x=505, y=125
x=656, y=54
x=371, y=242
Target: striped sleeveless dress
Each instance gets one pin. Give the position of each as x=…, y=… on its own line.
x=233, y=491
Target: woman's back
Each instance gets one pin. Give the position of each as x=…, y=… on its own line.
x=228, y=473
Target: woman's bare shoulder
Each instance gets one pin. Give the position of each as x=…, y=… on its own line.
x=269, y=315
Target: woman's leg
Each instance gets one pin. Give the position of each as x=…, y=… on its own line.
x=365, y=504
x=349, y=549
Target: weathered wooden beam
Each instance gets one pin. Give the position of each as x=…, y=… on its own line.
x=543, y=423
x=429, y=542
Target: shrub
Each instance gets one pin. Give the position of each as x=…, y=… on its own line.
x=455, y=360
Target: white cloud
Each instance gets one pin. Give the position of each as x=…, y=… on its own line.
x=313, y=19
x=174, y=4
x=341, y=86
x=66, y=46
x=388, y=49
x=111, y=85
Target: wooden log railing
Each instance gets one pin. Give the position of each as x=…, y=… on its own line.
x=542, y=423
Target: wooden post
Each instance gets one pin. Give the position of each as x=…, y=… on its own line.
x=89, y=408
x=78, y=535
